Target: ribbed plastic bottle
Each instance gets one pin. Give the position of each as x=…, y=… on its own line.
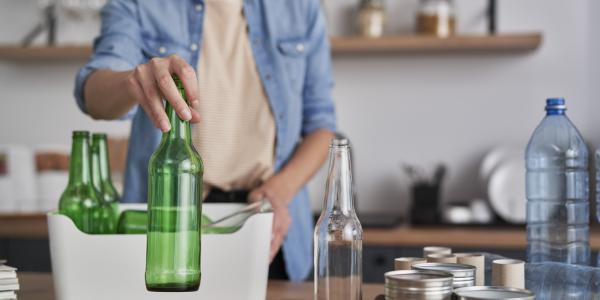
x=557, y=190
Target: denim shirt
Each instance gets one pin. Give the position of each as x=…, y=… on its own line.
x=291, y=49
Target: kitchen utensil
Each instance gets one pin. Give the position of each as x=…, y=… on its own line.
x=238, y=218
x=506, y=190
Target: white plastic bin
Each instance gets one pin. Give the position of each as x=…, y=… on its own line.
x=234, y=266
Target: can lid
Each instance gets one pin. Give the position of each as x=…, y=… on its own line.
x=415, y=279
x=492, y=293
x=458, y=270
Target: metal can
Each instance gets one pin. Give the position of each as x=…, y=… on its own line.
x=464, y=275
x=492, y=293
x=418, y=285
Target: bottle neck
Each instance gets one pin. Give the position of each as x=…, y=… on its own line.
x=179, y=129
x=80, y=169
x=339, y=189
x=96, y=174
x=555, y=112
x=103, y=161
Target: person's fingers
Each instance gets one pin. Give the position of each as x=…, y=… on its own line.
x=281, y=225
x=166, y=85
x=152, y=100
x=275, y=245
x=187, y=74
x=195, y=116
x=256, y=195
x=138, y=94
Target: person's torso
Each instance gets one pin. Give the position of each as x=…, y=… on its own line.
x=237, y=135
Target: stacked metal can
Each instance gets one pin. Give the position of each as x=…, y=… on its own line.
x=463, y=275
x=418, y=285
x=492, y=292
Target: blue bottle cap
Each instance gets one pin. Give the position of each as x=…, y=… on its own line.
x=555, y=104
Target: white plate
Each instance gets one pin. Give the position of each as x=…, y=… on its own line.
x=506, y=190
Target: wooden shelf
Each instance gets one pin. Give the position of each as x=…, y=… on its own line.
x=339, y=46
x=45, y=53
x=421, y=44
x=480, y=237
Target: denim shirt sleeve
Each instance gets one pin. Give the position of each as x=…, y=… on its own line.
x=118, y=47
x=318, y=108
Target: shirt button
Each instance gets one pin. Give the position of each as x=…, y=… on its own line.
x=194, y=47
x=268, y=77
x=280, y=115
x=162, y=50
x=300, y=47
x=198, y=7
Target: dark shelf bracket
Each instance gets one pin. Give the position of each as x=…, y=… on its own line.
x=492, y=14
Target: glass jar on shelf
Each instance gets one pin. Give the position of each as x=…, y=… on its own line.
x=371, y=18
x=436, y=17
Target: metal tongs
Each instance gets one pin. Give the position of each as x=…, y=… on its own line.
x=238, y=218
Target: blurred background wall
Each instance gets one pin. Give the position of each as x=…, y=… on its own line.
x=416, y=108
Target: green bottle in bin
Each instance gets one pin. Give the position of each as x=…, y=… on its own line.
x=136, y=222
x=174, y=209
x=80, y=201
x=107, y=222
x=133, y=222
x=109, y=192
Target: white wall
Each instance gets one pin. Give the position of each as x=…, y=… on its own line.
x=420, y=109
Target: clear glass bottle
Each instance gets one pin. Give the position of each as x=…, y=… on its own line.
x=338, y=233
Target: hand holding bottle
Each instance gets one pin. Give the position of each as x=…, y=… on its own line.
x=149, y=83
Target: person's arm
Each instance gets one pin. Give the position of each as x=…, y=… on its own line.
x=111, y=94
x=318, y=127
x=116, y=78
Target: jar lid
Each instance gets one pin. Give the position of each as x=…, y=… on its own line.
x=458, y=270
x=492, y=293
x=418, y=280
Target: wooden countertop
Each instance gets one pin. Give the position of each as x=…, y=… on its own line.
x=34, y=226
x=38, y=286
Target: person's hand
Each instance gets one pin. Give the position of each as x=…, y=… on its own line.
x=151, y=82
x=278, y=192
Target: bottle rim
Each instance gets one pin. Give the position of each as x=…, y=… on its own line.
x=340, y=142
x=81, y=134
x=99, y=135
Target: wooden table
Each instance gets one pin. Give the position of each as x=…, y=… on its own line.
x=38, y=286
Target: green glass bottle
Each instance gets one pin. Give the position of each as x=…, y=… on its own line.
x=133, y=222
x=101, y=177
x=108, y=215
x=80, y=201
x=174, y=209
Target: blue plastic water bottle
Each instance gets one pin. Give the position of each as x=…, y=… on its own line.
x=557, y=190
